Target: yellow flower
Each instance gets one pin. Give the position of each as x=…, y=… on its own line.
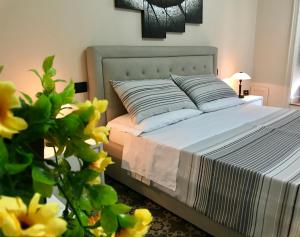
x=99, y=134
x=144, y=218
x=95, y=181
x=9, y=124
x=99, y=232
x=36, y=221
x=102, y=162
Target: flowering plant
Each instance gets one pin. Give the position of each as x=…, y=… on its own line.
x=27, y=179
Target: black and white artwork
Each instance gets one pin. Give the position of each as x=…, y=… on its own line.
x=162, y=16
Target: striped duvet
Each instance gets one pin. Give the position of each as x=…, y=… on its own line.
x=247, y=179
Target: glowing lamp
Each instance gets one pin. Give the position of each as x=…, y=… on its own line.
x=241, y=76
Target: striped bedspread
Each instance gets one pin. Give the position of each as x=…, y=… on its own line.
x=248, y=179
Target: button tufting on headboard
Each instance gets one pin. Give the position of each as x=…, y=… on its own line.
x=107, y=63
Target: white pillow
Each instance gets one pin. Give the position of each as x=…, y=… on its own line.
x=203, y=88
x=221, y=104
x=146, y=98
x=125, y=124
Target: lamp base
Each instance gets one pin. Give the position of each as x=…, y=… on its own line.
x=240, y=90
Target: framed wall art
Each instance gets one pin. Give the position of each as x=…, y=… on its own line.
x=162, y=16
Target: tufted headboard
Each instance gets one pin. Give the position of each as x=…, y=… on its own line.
x=105, y=63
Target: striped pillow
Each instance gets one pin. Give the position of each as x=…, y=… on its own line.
x=145, y=98
x=203, y=88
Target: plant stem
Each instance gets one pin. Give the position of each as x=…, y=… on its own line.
x=34, y=152
x=69, y=203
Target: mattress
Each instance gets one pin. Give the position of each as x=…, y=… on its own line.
x=160, y=149
x=117, y=136
x=239, y=166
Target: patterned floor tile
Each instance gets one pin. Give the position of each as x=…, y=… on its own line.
x=165, y=224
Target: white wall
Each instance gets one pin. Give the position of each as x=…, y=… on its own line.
x=33, y=29
x=272, y=41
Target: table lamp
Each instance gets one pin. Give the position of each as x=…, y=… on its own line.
x=241, y=76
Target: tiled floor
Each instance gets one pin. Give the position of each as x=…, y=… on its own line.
x=165, y=224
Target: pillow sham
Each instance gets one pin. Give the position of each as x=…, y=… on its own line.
x=221, y=104
x=146, y=98
x=125, y=124
x=203, y=88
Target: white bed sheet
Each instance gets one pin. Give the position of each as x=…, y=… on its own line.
x=155, y=155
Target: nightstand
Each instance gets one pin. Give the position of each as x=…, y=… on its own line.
x=254, y=99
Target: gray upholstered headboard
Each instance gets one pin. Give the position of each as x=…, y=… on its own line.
x=105, y=63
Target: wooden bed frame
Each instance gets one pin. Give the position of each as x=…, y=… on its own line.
x=106, y=63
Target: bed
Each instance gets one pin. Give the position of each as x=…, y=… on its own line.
x=255, y=198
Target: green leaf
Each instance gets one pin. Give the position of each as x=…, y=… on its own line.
x=120, y=208
x=51, y=72
x=37, y=95
x=84, y=151
x=27, y=97
x=76, y=187
x=56, y=101
x=1, y=68
x=88, y=154
x=44, y=189
x=74, y=229
x=3, y=157
x=48, y=63
x=68, y=93
x=109, y=221
x=83, y=218
x=102, y=195
x=69, y=125
x=36, y=73
x=69, y=150
x=48, y=84
x=85, y=203
x=36, y=131
x=78, y=231
x=41, y=110
x=15, y=168
x=86, y=175
x=126, y=221
x=64, y=166
x=42, y=176
x=60, y=80
x=86, y=114
x=38, y=119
